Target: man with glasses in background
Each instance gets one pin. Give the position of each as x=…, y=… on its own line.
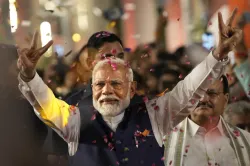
x=204, y=138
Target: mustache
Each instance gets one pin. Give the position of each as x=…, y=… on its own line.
x=109, y=97
x=205, y=104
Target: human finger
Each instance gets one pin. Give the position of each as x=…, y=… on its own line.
x=42, y=50
x=34, y=41
x=231, y=18
x=221, y=23
x=25, y=60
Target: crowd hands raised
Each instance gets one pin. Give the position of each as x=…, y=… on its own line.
x=156, y=71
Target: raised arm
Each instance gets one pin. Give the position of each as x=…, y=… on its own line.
x=170, y=109
x=55, y=113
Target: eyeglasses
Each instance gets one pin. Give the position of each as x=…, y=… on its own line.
x=213, y=94
x=115, y=84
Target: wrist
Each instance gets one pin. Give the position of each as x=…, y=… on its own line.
x=27, y=78
x=219, y=55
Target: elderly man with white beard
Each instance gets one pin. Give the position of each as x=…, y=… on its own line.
x=115, y=133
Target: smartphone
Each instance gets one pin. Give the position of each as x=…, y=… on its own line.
x=246, y=16
x=208, y=40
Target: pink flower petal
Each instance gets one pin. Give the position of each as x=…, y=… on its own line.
x=113, y=51
x=145, y=99
x=93, y=116
x=98, y=35
x=111, y=134
x=156, y=108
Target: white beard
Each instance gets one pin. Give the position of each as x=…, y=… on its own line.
x=111, y=110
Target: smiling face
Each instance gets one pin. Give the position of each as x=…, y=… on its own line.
x=112, y=89
x=212, y=104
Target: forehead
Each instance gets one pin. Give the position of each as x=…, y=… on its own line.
x=107, y=47
x=217, y=85
x=106, y=72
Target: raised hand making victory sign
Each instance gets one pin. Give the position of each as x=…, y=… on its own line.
x=28, y=58
x=228, y=36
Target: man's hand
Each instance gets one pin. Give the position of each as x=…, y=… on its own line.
x=229, y=37
x=28, y=58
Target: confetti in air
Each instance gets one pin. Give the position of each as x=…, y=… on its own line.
x=105, y=139
x=156, y=108
x=162, y=93
x=98, y=35
x=175, y=129
x=145, y=99
x=113, y=51
x=93, y=116
x=111, y=134
x=114, y=66
x=236, y=133
x=145, y=132
x=127, y=49
x=112, y=24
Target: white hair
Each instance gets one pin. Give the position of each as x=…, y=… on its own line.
x=237, y=108
x=118, y=62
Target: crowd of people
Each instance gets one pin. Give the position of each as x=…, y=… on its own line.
x=117, y=106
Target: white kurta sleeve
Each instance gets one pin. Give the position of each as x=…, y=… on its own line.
x=167, y=111
x=55, y=113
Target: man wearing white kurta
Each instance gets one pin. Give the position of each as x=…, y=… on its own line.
x=204, y=138
x=163, y=112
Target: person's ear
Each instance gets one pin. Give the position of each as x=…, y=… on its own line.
x=89, y=63
x=133, y=89
x=226, y=96
x=90, y=60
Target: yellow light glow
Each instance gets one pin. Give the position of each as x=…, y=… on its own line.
x=13, y=16
x=46, y=35
x=112, y=24
x=76, y=37
x=12, y=1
